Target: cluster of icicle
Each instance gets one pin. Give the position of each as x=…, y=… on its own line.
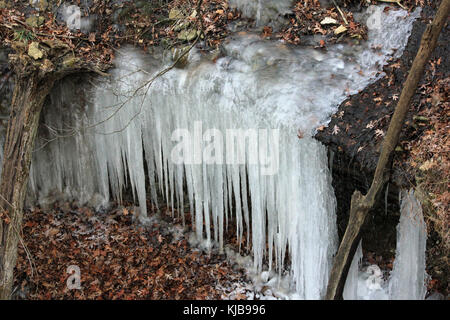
x=94, y=144
x=407, y=281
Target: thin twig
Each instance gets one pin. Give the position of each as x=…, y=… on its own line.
x=340, y=11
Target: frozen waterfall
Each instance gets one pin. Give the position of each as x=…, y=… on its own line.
x=96, y=138
x=407, y=280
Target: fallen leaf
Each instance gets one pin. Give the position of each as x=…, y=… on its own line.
x=329, y=20
x=340, y=29
x=92, y=37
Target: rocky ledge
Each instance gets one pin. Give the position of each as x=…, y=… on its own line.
x=354, y=137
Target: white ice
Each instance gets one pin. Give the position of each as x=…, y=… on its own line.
x=408, y=277
x=407, y=281
x=116, y=132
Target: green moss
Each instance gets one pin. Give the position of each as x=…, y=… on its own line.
x=188, y=35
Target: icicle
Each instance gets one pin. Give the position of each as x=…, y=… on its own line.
x=408, y=277
x=258, y=85
x=351, y=284
x=330, y=161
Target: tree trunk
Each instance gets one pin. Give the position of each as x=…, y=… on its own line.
x=28, y=99
x=361, y=205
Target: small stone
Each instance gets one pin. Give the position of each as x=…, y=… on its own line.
x=35, y=21
x=175, y=14
x=340, y=29
x=188, y=35
x=328, y=20
x=34, y=51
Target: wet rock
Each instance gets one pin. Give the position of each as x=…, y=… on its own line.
x=35, y=21
x=188, y=35
x=34, y=51
x=175, y=14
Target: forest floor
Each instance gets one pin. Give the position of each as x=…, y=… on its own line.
x=117, y=258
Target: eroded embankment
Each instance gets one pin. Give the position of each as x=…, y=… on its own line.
x=354, y=137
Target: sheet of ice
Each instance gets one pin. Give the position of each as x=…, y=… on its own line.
x=259, y=84
x=301, y=87
x=72, y=16
x=407, y=280
x=261, y=285
x=364, y=283
x=64, y=165
x=408, y=277
x=351, y=284
x=371, y=284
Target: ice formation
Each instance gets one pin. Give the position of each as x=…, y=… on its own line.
x=351, y=285
x=407, y=280
x=72, y=16
x=123, y=132
x=408, y=277
x=263, y=11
